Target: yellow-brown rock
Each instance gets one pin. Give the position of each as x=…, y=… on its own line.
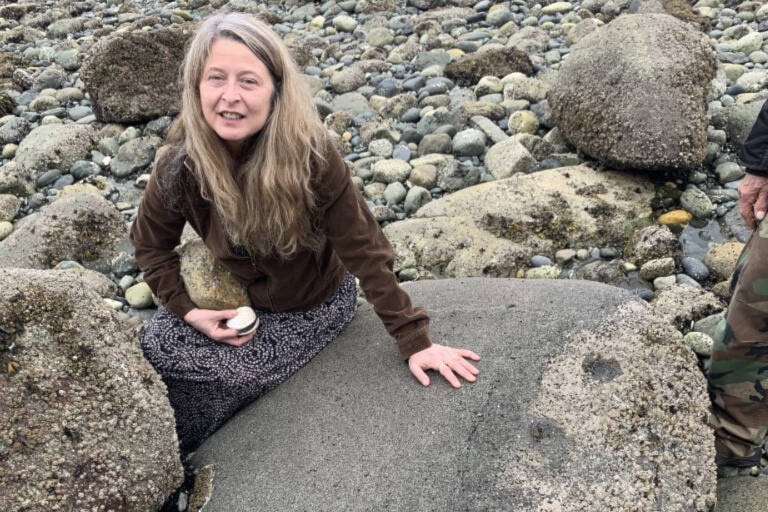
x=721, y=259
x=209, y=284
x=675, y=217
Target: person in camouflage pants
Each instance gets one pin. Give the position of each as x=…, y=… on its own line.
x=738, y=377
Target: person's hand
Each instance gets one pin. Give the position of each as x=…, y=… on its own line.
x=753, y=199
x=212, y=323
x=446, y=360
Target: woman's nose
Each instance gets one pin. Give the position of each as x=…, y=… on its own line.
x=230, y=93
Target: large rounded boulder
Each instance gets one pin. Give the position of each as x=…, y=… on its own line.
x=147, y=64
x=493, y=229
x=85, y=423
x=55, y=146
x=633, y=93
x=83, y=227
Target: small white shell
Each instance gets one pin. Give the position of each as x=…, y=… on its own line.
x=245, y=322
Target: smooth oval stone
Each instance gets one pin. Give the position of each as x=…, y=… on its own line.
x=675, y=217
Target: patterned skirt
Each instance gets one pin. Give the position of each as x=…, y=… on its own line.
x=208, y=382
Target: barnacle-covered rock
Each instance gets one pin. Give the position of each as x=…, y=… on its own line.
x=85, y=421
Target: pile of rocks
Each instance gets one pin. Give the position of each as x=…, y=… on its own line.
x=426, y=103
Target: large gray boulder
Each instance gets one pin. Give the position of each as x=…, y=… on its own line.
x=586, y=400
x=83, y=227
x=85, y=421
x=633, y=93
x=55, y=146
x=147, y=63
x=494, y=228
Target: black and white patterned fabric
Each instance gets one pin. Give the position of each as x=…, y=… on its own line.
x=208, y=381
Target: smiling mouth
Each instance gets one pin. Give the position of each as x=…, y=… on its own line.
x=232, y=116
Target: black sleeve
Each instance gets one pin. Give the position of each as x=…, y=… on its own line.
x=754, y=152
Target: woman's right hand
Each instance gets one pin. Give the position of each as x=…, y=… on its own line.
x=212, y=323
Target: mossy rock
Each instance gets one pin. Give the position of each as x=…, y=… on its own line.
x=467, y=71
x=7, y=105
x=683, y=11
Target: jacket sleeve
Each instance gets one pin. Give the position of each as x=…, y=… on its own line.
x=754, y=151
x=365, y=251
x=155, y=233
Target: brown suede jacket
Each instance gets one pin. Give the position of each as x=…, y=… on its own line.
x=352, y=241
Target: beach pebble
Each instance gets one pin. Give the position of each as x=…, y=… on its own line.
x=6, y=228
x=712, y=325
x=564, y=255
x=416, y=198
x=695, y=268
x=699, y=342
x=139, y=296
x=395, y=193
x=469, y=142
x=662, y=283
x=544, y=272
x=540, y=261
x=729, y=171
x=652, y=269
x=687, y=280
x=675, y=217
x=644, y=293
x=113, y=304
x=697, y=203
x=126, y=282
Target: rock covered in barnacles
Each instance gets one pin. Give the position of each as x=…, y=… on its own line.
x=85, y=423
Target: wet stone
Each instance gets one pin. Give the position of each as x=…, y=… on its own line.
x=687, y=280
x=48, y=177
x=695, y=268
x=84, y=168
x=63, y=181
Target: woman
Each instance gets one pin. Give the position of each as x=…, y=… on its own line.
x=253, y=171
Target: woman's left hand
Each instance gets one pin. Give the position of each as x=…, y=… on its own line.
x=448, y=361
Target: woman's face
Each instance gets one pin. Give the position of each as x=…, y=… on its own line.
x=235, y=92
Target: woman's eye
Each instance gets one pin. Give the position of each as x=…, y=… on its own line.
x=249, y=82
x=215, y=78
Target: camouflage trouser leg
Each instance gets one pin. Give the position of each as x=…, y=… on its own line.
x=738, y=379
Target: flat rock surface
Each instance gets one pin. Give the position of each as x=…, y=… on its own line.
x=353, y=431
x=742, y=494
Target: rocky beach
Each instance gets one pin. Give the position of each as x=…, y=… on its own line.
x=418, y=108
x=592, y=140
